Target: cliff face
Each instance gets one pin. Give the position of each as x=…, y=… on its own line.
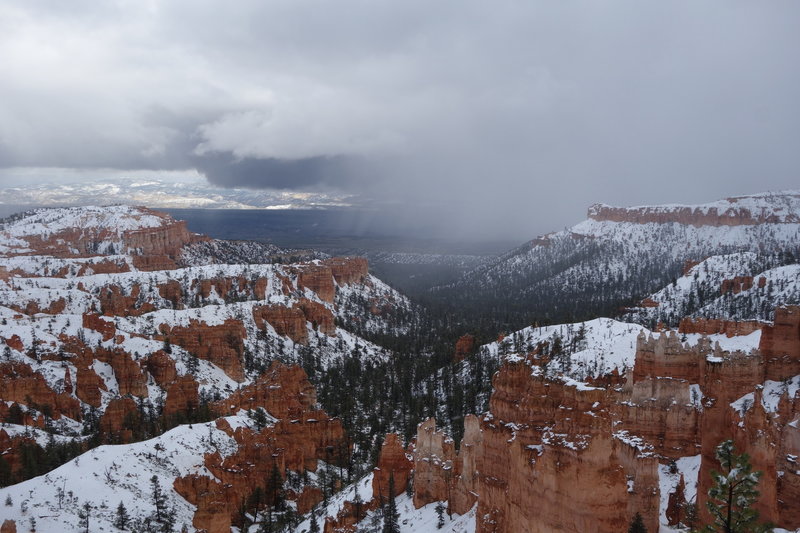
x=295, y=442
x=743, y=211
x=559, y=455
x=156, y=246
x=220, y=344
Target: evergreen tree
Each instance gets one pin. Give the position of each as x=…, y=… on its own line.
x=162, y=516
x=391, y=518
x=439, y=515
x=84, y=514
x=731, y=497
x=122, y=518
x=637, y=524
x=314, y=526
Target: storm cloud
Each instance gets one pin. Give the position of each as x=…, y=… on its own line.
x=492, y=118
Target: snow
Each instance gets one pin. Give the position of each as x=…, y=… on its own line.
x=771, y=393
x=111, y=220
x=108, y=475
x=595, y=348
x=421, y=520
x=689, y=467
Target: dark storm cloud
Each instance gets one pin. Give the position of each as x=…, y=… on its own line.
x=321, y=172
x=509, y=117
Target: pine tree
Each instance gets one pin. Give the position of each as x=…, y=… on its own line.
x=159, y=502
x=439, y=515
x=314, y=525
x=391, y=518
x=122, y=518
x=731, y=497
x=637, y=524
x=84, y=514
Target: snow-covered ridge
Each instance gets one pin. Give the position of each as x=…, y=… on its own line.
x=115, y=219
x=756, y=285
x=777, y=207
x=580, y=352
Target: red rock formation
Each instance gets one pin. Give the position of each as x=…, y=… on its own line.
x=648, y=302
x=128, y=373
x=295, y=443
x=689, y=265
x=780, y=344
x=162, y=367
x=284, y=391
x=287, y=321
x=15, y=342
x=19, y=383
x=291, y=321
x=94, y=322
x=730, y=328
x=464, y=346
x=182, y=397
x=545, y=444
x=348, y=270
x=172, y=291
x=115, y=302
x=89, y=385
x=321, y=317
x=711, y=216
x=308, y=499
x=106, y=266
x=163, y=242
x=737, y=284
x=434, y=462
x=392, y=462
x=317, y=278
x=220, y=344
x=118, y=420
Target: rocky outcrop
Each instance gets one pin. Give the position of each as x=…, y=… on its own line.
x=162, y=367
x=128, y=373
x=297, y=441
x=320, y=317
x=157, y=246
x=729, y=214
x=119, y=419
x=20, y=383
x=95, y=322
x=553, y=456
x=116, y=302
x=542, y=446
x=221, y=344
x=780, y=344
x=348, y=270
x=286, y=321
x=740, y=283
x=464, y=346
x=291, y=321
x=284, y=391
x=393, y=464
x=182, y=398
x=729, y=328
x=14, y=342
x=317, y=278
x=89, y=386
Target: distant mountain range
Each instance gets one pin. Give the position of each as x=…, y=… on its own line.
x=617, y=256
x=160, y=192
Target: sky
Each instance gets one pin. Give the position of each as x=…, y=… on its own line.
x=483, y=119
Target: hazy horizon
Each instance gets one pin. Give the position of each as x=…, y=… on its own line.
x=473, y=121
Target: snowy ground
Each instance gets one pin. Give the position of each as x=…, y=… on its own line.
x=108, y=475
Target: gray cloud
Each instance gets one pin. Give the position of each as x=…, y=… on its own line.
x=501, y=118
